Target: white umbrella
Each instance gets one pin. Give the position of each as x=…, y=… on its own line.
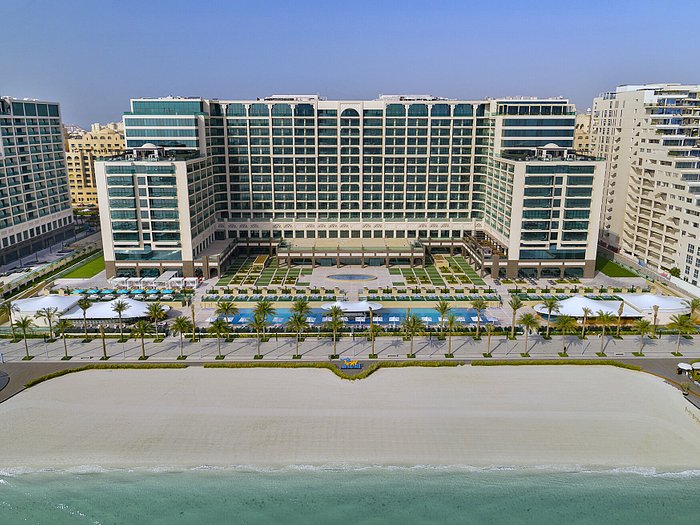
x=243, y=320
x=326, y=319
x=360, y=319
x=277, y=320
x=394, y=319
x=696, y=365
x=378, y=319
x=460, y=319
x=685, y=366
x=310, y=319
x=427, y=319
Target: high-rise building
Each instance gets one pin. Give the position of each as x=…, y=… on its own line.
x=385, y=181
x=81, y=153
x=648, y=135
x=35, y=209
x=582, y=133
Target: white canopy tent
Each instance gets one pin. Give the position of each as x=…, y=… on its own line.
x=134, y=282
x=29, y=307
x=118, y=282
x=646, y=302
x=574, y=306
x=103, y=311
x=148, y=282
x=164, y=278
x=176, y=282
x=191, y=282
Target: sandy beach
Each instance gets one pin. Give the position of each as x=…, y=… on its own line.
x=596, y=417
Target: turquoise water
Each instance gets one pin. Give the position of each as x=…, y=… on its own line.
x=372, y=495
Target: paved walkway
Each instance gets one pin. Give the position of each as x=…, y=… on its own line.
x=47, y=356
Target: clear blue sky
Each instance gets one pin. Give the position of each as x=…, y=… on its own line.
x=92, y=56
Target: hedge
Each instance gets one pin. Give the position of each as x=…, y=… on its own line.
x=555, y=362
x=102, y=366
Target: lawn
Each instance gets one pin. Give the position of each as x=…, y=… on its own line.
x=87, y=269
x=612, y=269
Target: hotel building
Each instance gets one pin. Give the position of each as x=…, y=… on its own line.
x=81, y=153
x=377, y=182
x=648, y=135
x=35, y=209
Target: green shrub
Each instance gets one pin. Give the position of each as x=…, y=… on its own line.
x=105, y=366
x=548, y=362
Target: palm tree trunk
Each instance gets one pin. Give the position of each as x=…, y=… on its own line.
x=121, y=328
x=335, y=343
x=297, y=350
x=411, y=344
x=583, y=328
x=85, y=324
x=478, y=323
x=143, y=347
x=181, y=341
x=104, y=343
x=619, y=324
x=259, y=342
x=527, y=333
x=50, y=330
x=678, y=341
x=488, y=344
x=549, y=321
x=26, y=346
x=512, y=326
x=218, y=342
x=194, y=326
x=602, y=340
x=65, y=345
x=449, y=344
x=641, y=346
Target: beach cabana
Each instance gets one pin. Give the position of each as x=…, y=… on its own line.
x=164, y=278
x=103, y=311
x=645, y=303
x=119, y=282
x=29, y=307
x=191, y=282
x=574, y=306
x=148, y=282
x=134, y=282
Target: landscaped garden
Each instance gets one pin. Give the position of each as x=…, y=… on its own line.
x=88, y=269
x=612, y=269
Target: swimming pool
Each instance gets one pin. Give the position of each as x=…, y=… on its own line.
x=351, y=277
x=385, y=317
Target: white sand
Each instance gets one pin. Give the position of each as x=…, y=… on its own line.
x=480, y=416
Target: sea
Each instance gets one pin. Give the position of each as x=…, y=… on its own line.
x=342, y=494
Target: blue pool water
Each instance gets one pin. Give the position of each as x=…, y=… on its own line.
x=306, y=495
x=385, y=316
x=352, y=277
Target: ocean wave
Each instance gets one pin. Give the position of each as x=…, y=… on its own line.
x=346, y=467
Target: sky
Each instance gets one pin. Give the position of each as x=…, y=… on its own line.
x=92, y=57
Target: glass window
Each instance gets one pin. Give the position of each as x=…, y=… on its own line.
x=440, y=110
x=373, y=113
x=262, y=110
x=304, y=110
x=463, y=110
x=236, y=110
x=395, y=110
x=349, y=112
x=417, y=110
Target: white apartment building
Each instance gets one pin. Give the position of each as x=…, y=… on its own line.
x=648, y=135
x=35, y=208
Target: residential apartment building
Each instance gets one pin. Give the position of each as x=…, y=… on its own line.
x=35, y=209
x=649, y=137
x=386, y=181
x=81, y=153
x=582, y=133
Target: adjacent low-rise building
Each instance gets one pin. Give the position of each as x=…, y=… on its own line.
x=81, y=153
x=374, y=182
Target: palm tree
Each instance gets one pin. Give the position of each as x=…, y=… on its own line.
x=84, y=304
x=374, y=331
x=194, y=322
x=301, y=306
x=219, y=328
x=264, y=309
x=50, y=314
x=587, y=312
x=516, y=304
x=479, y=305
x=156, y=313
x=297, y=323
x=529, y=322
x=335, y=325
x=551, y=304
x=141, y=329
x=566, y=324
x=693, y=305
x=488, y=328
x=258, y=325
x=681, y=324
x=656, y=316
x=604, y=319
x=104, y=344
x=181, y=325
x=412, y=325
x=442, y=307
x=7, y=308
x=451, y=325
x=61, y=328
x=25, y=324
x=119, y=307
x=643, y=328
x=619, y=317
x=226, y=309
